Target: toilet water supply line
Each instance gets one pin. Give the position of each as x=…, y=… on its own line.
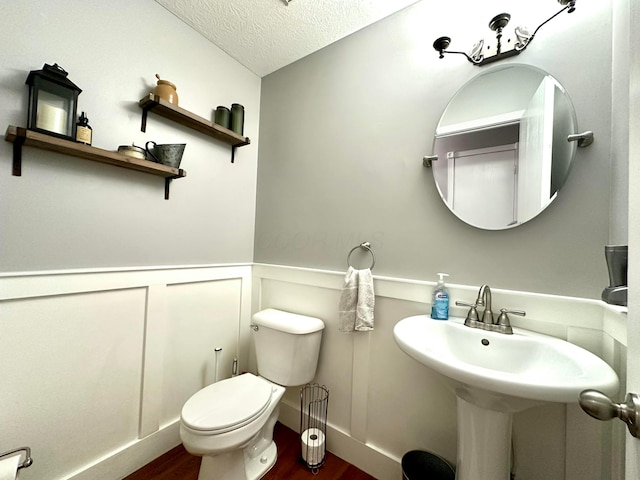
x=217, y=362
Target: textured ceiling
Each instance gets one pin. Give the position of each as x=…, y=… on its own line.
x=265, y=35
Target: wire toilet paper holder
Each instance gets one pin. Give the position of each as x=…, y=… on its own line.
x=27, y=456
x=314, y=404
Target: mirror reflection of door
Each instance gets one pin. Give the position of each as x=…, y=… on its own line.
x=478, y=179
x=536, y=138
x=496, y=168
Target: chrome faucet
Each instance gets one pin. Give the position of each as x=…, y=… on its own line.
x=484, y=296
x=501, y=325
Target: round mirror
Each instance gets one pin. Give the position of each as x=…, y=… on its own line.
x=502, y=147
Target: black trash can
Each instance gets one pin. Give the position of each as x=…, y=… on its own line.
x=421, y=465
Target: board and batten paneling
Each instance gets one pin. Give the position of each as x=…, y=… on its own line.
x=382, y=403
x=97, y=364
x=100, y=362
x=71, y=367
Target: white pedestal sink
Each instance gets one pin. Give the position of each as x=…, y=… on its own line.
x=495, y=375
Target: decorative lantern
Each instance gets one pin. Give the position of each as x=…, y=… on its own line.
x=53, y=102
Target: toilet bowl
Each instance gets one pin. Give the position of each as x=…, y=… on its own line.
x=230, y=423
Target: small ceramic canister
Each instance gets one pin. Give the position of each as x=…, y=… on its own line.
x=166, y=90
x=132, y=151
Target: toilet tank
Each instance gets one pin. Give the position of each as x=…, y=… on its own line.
x=287, y=346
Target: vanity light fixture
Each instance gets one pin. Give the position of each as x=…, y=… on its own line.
x=482, y=54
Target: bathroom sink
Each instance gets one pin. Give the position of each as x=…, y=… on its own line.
x=495, y=375
x=503, y=372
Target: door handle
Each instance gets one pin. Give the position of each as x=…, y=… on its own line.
x=599, y=406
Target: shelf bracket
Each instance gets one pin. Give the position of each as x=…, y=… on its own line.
x=17, y=155
x=167, y=184
x=233, y=153
x=143, y=125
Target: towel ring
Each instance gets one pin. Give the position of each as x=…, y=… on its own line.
x=365, y=246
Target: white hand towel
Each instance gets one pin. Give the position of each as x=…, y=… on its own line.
x=357, y=301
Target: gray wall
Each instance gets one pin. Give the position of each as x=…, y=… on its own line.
x=343, y=133
x=66, y=213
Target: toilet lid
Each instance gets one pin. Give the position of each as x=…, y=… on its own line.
x=227, y=404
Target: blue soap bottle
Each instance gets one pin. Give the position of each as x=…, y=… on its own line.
x=440, y=300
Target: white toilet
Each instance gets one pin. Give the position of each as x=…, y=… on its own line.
x=230, y=423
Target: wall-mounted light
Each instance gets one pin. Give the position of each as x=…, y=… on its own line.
x=482, y=54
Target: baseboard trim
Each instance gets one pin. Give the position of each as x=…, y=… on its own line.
x=136, y=455
x=133, y=456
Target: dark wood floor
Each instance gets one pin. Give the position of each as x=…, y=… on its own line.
x=178, y=464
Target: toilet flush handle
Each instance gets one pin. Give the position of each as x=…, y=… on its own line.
x=599, y=406
x=254, y=327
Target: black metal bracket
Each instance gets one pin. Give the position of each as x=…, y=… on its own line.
x=143, y=125
x=17, y=155
x=167, y=183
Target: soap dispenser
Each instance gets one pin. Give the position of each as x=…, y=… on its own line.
x=440, y=300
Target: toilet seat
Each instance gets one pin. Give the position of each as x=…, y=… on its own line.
x=227, y=405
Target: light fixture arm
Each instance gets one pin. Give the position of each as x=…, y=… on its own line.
x=441, y=44
x=466, y=55
x=568, y=5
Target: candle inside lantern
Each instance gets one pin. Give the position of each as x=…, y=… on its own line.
x=52, y=114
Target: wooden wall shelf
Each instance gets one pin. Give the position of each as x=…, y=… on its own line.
x=20, y=136
x=153, y=103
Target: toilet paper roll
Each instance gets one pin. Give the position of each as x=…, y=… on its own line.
x=313, y=448
x=9, y=467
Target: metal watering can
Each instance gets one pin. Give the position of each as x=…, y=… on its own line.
x=168, y=154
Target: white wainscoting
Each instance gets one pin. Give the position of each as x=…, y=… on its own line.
x=97, y=364
x=383, y=404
